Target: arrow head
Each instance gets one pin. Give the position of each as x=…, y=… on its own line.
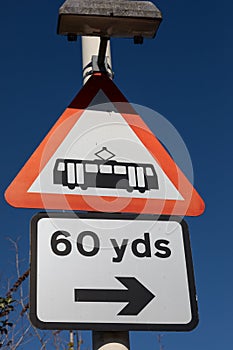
x=138, y=296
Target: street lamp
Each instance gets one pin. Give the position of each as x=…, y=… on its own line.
x=109, y=18
x=98, y=20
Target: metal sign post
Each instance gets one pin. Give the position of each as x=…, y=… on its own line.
x=90, y=52
x=110, y=340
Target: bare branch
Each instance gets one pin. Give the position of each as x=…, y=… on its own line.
x=22, y=331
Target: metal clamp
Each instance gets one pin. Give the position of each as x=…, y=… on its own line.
x=99, y=63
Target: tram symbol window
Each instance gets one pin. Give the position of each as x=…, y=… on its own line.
x=91, y=168
x=61, y=166
x=120, y=169
x=105, y=169
x=100, y=173
x=149, y=171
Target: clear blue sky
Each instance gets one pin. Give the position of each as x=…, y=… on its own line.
x=186, y=75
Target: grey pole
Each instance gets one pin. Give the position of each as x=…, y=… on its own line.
x=90, y=48
x=101, y=340
x=110, y=340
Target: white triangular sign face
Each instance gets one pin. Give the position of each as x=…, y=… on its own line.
x=100, y=156
x=100, y=128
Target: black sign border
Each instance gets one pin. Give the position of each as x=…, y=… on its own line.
x=111, y=326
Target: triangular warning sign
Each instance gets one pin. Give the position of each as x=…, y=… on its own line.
x=100, y=156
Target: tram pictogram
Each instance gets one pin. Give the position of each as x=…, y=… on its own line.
x=105, y=174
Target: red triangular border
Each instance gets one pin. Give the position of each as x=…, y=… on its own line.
x=17, y=195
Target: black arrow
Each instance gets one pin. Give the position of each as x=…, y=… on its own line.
x=136, y=295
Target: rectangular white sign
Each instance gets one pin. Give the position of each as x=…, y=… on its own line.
x=111, y=272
